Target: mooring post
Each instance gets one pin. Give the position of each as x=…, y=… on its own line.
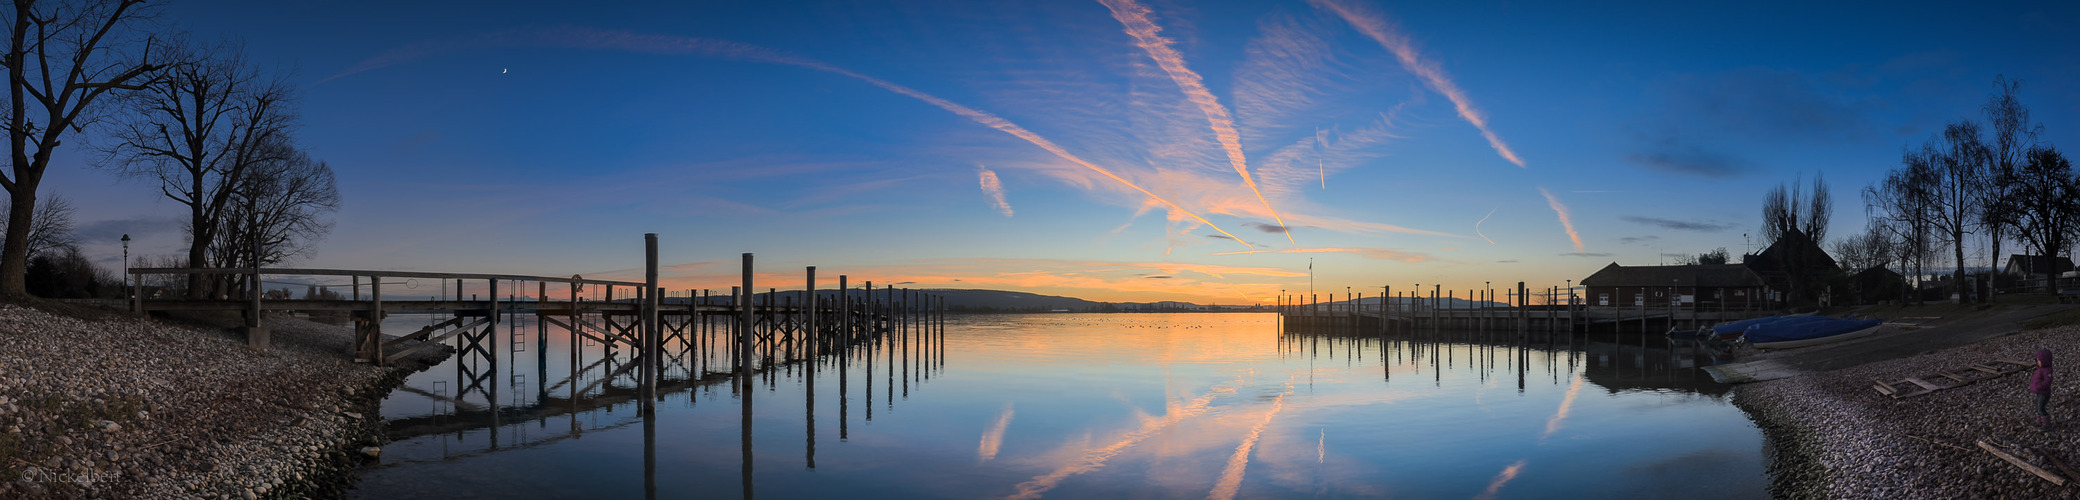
x=744, y=322
x=653, y=338
x=814, y=335
x=575, y=345
x=491, y=335
x=375, y=320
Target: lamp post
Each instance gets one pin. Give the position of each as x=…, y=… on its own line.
x=126, y=262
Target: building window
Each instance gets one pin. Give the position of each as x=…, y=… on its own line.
x=1603, y=299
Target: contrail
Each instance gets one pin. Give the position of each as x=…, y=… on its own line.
x=993, y=438
x=1565, y=221
x=1149, y=36
x=1374, y=26
x=1231, y=476
x=995, y=189
x=1095, y=459
x=1320, y=167
x=1503, y=478
x=1476, y=224
x=661, y=44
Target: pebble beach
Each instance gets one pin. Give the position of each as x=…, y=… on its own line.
x=1833, y=436
x=114, y=406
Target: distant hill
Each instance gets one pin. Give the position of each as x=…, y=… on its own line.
x=973, y=300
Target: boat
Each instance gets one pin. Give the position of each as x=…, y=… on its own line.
x=1734, y=329
x=1810, y=330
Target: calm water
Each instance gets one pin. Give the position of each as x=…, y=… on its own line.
x=1099, y=406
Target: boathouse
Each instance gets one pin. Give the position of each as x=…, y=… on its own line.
x=1697, y=287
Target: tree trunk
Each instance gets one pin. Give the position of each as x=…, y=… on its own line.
x=14, y=255
x=1993, y=263
x=1957, y=271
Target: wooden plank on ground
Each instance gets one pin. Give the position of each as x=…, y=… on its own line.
x=2047, y=475
x=1924, y=384
x=1987, y=369
x=1960, y=380
x=1885, y=388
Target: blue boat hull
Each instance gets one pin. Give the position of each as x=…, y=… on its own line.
x=1808, y=331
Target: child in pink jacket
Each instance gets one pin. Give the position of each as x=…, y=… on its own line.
x=2040, y=383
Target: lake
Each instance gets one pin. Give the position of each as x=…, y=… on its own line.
x=1186, y=405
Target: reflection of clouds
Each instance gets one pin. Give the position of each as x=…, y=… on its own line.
x=993, y=438
x=1231, y=476
x=1566, y=406
x=1095, y=459
x=1503, y=478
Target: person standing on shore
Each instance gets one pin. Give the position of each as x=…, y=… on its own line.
x=2040, y=383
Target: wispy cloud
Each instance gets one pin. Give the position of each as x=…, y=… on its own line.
x=569, y=37
x=1638, y=239
x=1375, y=26
x=1149, y=37
x=994, y=189
x=1375, y=253
x=1484, y=218
x=993, y=438
x=1566, y=221
x=1278, y=229
x=1679, y=225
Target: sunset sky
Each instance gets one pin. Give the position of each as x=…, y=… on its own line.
x=1111, y=150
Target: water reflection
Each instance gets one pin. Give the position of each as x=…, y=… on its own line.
x=1077, y=406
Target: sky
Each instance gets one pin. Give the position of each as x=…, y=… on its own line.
x=1118, y=150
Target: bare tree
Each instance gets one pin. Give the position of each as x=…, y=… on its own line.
x=2013, y=137
x=283, y=204
x=61, y=59
x=199, y=133
x=1787, y=208
x=2047, y=201
x=1870, y=250
x=51, y=228
x=1958, y=157
x=1901, y=206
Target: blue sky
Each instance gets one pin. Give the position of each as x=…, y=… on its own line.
x=861, y=137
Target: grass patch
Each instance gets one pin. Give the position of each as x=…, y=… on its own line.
x=2054, y=320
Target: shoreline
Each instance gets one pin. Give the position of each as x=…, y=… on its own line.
x=1828, y=434
x=106, y=404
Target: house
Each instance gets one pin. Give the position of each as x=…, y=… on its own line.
x=2037, y=266
x=1702, y=287
x=1794, y=265
x=1877, y=284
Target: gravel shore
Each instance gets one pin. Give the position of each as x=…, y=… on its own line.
x=1832, y=436
x=118, y=406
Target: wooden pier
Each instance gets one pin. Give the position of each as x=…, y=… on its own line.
x=1553, y=310
x=756, y=332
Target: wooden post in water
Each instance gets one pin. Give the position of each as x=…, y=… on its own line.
x=375, y=321
x=744, y=348
x=653, y=334
x=744, y=322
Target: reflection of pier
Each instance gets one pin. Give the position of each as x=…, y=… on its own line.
x=1617, y=363
x=618, y=332
x=1523, y=310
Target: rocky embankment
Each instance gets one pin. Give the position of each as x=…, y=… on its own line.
x=1833, y=436
x=118, y=406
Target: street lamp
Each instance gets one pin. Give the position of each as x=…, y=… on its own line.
x=126, y=262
